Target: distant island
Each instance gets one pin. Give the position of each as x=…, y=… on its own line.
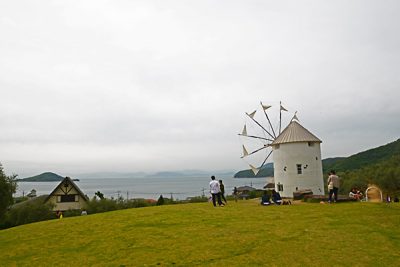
x=44, y=177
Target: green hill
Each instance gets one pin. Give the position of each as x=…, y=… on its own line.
x=44, y=177
x=239, y=234
x=266, y=171
x=379, y=166
x=365, y=158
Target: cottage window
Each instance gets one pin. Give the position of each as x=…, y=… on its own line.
x=67, y=198
x=299, y=169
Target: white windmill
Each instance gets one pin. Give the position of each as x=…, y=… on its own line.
x=296, y=152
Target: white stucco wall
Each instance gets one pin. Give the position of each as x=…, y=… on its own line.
x=289, y=155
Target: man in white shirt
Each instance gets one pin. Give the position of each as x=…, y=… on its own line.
x=215, y=191
x=333, y=184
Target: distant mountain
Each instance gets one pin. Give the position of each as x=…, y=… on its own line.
x=44, y=177
x=363, y=159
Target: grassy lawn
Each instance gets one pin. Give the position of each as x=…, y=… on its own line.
x=239, y=234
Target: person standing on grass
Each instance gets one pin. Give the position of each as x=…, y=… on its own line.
x=235, y=193
x=215, y=192
x=333, y=185
x=222, y=188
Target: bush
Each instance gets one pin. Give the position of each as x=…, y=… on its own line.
x=72, y=213
x=160, y=201
x=136, y=203
x=8, y=186
x=102, y=205
x=34, y=211
x=20, y=199
x=256, y=194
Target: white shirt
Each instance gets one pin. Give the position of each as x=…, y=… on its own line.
x=214, y=187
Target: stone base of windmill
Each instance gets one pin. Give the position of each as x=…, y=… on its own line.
x=301, y=194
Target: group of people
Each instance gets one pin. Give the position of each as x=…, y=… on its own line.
x=217, y=190
x=356, y=194
x=275, y=198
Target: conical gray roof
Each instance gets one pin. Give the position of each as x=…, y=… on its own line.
x=294, y=133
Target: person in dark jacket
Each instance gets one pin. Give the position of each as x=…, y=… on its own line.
x=265, y=201
x=222, y=188
x=235, y=193
x=276, y=197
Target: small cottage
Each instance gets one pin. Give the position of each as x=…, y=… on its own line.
x=67, y=196
x=32, y=194
x=244, y=191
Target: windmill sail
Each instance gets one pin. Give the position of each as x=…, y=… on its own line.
x=251, y=115
x=244, y=132
x=245, y=153
x=265, y=107
x=254, y=169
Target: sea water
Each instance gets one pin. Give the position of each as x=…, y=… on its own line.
x=149, y=188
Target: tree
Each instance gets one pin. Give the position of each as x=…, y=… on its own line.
x=99, y=195
x=8, y=186
x=160, y=200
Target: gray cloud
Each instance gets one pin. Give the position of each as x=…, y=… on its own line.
x=151, y=85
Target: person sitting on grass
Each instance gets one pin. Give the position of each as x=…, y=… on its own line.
x=354, y=194
x=265, y=201
x=276, y=197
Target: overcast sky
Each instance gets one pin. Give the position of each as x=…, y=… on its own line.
x=88, y=86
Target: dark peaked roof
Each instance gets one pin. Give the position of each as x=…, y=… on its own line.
x=295, y=133
x=69, y=181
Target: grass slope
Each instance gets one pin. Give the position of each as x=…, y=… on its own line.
x=240, y=234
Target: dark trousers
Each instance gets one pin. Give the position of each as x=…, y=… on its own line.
x=218, y=196
x=223, y=197
x=335, y=192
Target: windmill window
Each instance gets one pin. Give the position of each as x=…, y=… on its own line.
x=280, y=187
x=299, y=169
